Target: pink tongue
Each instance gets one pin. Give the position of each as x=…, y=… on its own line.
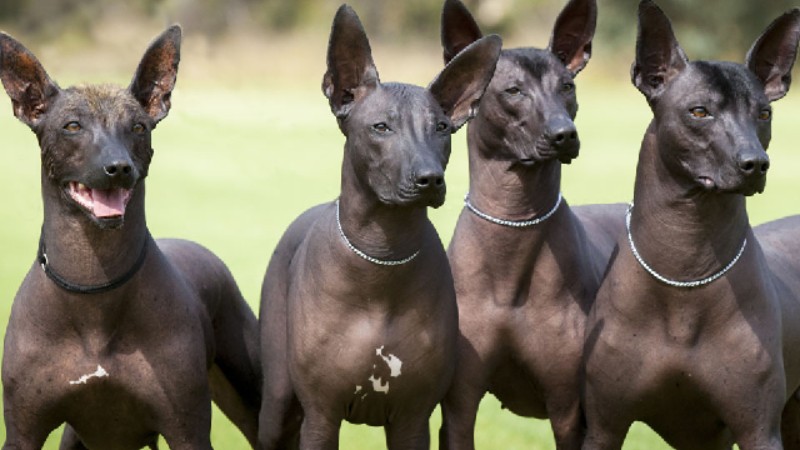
x=108, y=203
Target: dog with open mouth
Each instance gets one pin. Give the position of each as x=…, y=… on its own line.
x=121, y=337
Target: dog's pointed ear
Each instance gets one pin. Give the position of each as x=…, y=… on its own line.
x=772, y=55
x=659, y=57
x=573, y=32
x=459, y=29
x=461, y=84
x=351, y=73
x=25, y=80
x=155, y=77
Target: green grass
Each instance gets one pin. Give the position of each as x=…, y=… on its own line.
x=233, y=166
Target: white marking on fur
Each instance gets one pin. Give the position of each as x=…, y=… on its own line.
x=377, y=384
x=392, y=361
x=99, y=373
x=395, y=366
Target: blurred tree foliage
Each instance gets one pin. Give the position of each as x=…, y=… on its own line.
x=706, y=29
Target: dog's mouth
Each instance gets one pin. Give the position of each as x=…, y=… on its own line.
x=100, y=203
x=526, y=162
x=433, y=197
x=543, y=152
x=707, y=183
x=747, y=189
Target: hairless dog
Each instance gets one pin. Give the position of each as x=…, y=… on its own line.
x=118, y=335
x=526, y=266
x=696, y=327
x=358, y=312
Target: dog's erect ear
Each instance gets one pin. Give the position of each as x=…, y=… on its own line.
x=351, y=72
x=659, y=57
x=155, y=77
x=772, y=55
x=460, y=86
x=459, y=29
x=25, y=80
x=571, y=40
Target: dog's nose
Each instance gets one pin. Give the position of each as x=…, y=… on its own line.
x=429, y=180
x=754, y=164
x=117, y=169
x=562, y=134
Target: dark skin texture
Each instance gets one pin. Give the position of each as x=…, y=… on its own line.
x=334, y=324
x=706, y=366
x=170, y=339
x=523, y=293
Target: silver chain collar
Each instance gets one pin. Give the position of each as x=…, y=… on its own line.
x=665, y=280
x=380, y=262
x=511, y=223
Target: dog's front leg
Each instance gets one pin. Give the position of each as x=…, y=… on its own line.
x=790, y=423
x=460, y=405
x=566, y=424
x=413, y=434
x=603, y=432
x=24, y=431
x=319, y=432
x=70, y=440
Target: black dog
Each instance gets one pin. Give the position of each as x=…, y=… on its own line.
x=358, y=313
x=526, y=267
x=696, y=329
x=111, y=332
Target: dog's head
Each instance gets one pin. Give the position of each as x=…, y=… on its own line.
x=94, y=139
x=526, y=116
x=712, y=120
x=398, y=135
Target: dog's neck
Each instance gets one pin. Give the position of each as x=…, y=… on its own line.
x=82, y=252
x=506, y=190
x=382, y=231
x=681, y=232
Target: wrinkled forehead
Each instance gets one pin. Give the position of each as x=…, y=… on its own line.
x=101, y=101
x=725, y=82
x=530, y=63
x=398, y=100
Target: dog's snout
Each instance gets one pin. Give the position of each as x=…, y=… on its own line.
x=429, y=180
x=562, y=133
x=754, y=164
x=564, y=136
x=118, y=169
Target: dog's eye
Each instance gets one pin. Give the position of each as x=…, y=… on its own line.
x=381, y=127
x=73, y=127
x=442, y=126
x=765, y=114
x=567, y=87
x=513, y=90
x=699, y=112
x=138, y=128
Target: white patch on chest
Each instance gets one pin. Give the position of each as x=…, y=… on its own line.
x=378, y=385
x=392, y=361
x=99, y=373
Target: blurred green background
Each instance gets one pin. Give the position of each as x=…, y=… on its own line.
x=250, y=142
